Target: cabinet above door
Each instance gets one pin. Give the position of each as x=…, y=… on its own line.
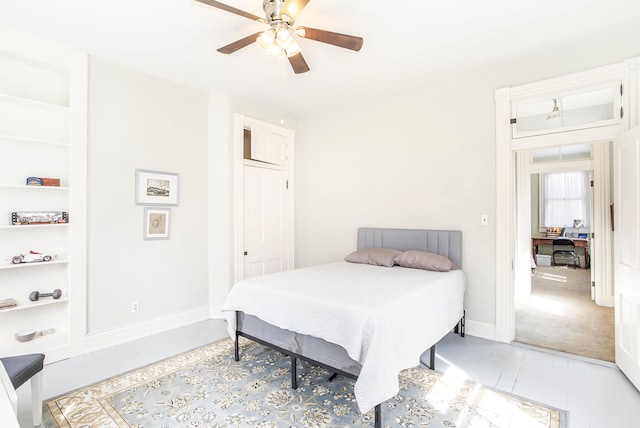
x=264, y=144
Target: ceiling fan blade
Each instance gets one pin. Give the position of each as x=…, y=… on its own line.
x=342, y=40
x=298, y=63
x=238, y=44
x=227, y=8
x=293, y=7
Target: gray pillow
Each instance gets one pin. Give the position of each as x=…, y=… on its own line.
x=424, y=260
x=373, y=256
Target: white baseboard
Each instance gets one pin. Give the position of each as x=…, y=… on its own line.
x=215, y=312
x=480, y=329
x=130, y=332
x=606, y=301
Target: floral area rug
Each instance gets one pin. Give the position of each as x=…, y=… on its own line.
x=206, y=388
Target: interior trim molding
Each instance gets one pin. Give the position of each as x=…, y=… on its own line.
x=130, y=332
x=215, y=312
x=507, y=254
x=505, y=178
x=480, y=329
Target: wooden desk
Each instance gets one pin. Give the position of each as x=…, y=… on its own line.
x=579, y=243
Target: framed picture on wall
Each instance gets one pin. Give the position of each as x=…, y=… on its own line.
x=156, y=188
x=157, y=222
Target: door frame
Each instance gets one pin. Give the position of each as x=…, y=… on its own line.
x=240, y=123
x=512, y=248
x=525, y=168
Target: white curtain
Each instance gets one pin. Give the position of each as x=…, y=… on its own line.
x=566, y=198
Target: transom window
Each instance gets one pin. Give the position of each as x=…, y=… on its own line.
x=577, y=109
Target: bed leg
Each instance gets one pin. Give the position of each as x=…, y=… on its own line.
x=377, y=422
x=332, y=377
x=294, y=372
x=236, y=347
x=432, y=358
x=459, y=328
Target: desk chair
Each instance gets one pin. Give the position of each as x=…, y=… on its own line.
x=20, y=369
x=564, y=250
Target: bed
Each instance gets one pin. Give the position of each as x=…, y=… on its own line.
x=360, y=320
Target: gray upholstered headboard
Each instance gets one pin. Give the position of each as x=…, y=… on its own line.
x=447, y=243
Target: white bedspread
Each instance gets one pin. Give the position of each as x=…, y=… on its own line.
x=385, y=318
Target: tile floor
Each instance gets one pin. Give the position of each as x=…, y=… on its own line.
x=596, y=395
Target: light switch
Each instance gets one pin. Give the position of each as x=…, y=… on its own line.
x=484, y=219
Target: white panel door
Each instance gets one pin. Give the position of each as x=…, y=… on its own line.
x=627, y=253
x=265, y=221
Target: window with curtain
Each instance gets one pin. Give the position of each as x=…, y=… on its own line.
x=565, y=198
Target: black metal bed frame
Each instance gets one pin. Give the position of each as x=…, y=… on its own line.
x=459, y=329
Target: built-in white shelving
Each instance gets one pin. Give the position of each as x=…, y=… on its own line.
x=14, y=139
x=33, y=226
x=42, y=127
x=24, y=186
x=8, y=265
x=32, y=103
x=35, y=305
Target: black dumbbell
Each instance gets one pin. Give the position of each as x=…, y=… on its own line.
x=35, y=295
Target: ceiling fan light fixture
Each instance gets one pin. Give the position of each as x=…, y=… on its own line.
x=276, y=51
x=266, y=40
x=279, y=41
x=292, y=50
x=284, y=38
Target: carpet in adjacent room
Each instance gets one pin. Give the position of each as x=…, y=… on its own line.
x=560, y=315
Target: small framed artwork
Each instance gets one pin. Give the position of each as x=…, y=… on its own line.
x=156, y=188
x=156, y=223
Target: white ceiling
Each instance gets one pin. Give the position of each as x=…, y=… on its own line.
x=404, y=42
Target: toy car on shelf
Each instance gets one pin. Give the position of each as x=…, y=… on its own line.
x=31, y=257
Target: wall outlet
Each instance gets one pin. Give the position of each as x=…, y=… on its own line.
x=484, y=219
x=135, y=306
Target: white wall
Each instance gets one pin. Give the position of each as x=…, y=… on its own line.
x=419, y=160
x=220, y=197
x=140, y=121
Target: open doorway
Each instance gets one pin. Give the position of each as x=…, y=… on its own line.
x=557, y=310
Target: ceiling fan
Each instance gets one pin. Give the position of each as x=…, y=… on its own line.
x=279, y=38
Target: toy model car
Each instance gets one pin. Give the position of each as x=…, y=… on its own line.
x=32, y=256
